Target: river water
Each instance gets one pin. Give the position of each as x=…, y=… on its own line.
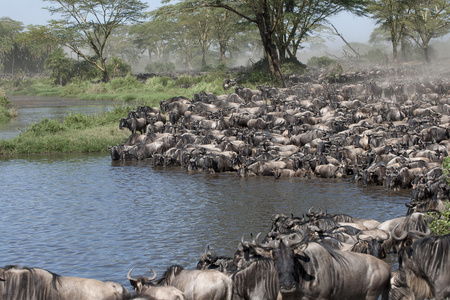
x=84, y=215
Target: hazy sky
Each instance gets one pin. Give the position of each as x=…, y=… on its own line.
x=354, y=29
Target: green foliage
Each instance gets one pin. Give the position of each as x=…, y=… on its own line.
x=4, y=102
x=292, y=66
x=375, y=56
x=6, y=111
x=160, y=67
x=60, y=66
x=124, y=83
x=45, y=126
x=118, y=67
x=440, y=222
x=320, y=62
x=77, y=133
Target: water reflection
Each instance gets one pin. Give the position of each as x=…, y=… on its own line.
x=81, y=215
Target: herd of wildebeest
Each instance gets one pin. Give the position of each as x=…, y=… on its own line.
x=382, y=127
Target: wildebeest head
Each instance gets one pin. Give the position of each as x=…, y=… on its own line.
x=209, y=260
x=411, y=226
x=141, y=283
x=284, y=257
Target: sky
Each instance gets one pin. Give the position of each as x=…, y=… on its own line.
x=32, y=12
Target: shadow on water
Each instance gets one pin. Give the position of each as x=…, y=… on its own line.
x=81, y=215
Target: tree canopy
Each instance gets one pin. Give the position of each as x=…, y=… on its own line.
x=90, y=23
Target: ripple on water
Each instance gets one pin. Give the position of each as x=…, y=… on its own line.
x=81, y=215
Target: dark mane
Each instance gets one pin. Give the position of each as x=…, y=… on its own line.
x=431, y=253
x=171, y=272
x=343, y=218
x=28, y=283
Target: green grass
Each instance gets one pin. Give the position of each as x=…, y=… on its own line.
x=126, y=89
x=77, y=133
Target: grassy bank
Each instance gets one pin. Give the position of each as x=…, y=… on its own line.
x=125, y=89
x=77, y=133
x=6, y=110
x=81, y=133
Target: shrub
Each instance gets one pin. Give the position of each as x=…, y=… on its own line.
x=320, y=62
x=292, y=66
x=44, y=126
x=440, y=222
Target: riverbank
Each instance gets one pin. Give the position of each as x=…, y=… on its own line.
x=76, y=133
x=48, y=136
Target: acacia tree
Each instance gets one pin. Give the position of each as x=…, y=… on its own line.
x=301, y=18
x=427, y=19
x=90, y=23
x=390, y=14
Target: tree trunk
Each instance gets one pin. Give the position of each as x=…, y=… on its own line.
x=425, y=54
x=222, y=53
x=394, y=51
x=271, y=52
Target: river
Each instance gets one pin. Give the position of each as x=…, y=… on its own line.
x=84, y=215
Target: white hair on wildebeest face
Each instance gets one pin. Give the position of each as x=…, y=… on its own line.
x=39, y=284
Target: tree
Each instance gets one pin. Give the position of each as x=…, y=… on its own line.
x=390, y=14
x=279, y=21
x=90, y=23
x=427, y=19
x=265, y=15
x=60, y=66
x=9, y=29
x=301, y=18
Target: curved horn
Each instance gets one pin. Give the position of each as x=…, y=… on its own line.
x=400, y=237
x=420, y=233
x=129, y=275
x=271, y=245
x=154, y=274
x=293, y=239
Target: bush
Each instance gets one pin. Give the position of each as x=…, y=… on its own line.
x=44, y=126
x=292, y=66
x=440, y=222
x=320, y=62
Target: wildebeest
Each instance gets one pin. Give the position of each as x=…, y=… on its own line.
x=309, y=270
x=146, y=286
x=257, y=281
x=39, y=284
x=199, y=284
x=424, y=265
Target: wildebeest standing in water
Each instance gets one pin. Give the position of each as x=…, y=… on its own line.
x=39, y=284
x=199, y=284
